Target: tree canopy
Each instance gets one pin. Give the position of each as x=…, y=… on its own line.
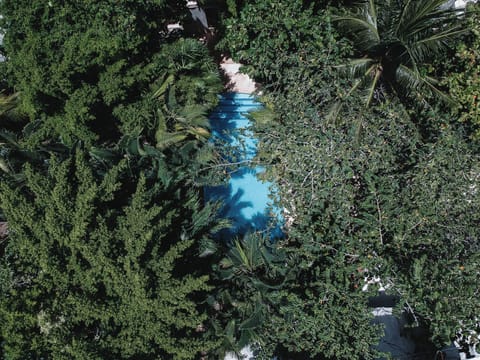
x=102, y=143
x=399, y=202
x=94, y=257
x=393, y=41
x=104, y=149
x=462, y=76
x=83, y=67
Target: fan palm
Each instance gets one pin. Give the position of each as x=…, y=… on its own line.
x=393, y=39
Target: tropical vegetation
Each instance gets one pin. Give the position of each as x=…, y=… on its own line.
x=393, y=40
x=385, y=204
x=369, y=132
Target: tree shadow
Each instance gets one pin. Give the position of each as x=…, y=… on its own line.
x=245, y=197
x=228, y=118
x=242, y=213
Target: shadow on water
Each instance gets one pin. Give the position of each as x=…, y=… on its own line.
x=230, y=127
x=245, y=198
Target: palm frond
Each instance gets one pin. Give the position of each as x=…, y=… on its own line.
x=417, y=13
x=207, y=247
x=372, y=11
x=167, y=139
x=333, y=112
x=336, y=108
x=200, y=133
x=424, y=48
x=414, y=82
x=193, y=115
x=373, y=85
x=404, y=13
x=9, y=138
x=8, y=102
x=166, y=82
x=356, y=67
x=409, y=79
x=3, y=165
x=361, y=25
x=372, y=73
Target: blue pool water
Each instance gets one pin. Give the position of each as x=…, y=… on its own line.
x=245, y=197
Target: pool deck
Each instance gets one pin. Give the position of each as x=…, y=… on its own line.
x=238, y=82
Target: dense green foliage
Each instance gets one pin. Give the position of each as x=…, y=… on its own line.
x=270, y=36
x=464, y=78
x=97, y=261
x=399, y=202
x=403, y=210
x=101, y=152
x=311, y=307
x=104, y=149
x=85, y=70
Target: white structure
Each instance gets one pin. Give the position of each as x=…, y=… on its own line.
x=174, y=27
x=246, y=354
x=237, y=81
x=462, y=4
x=198, y=14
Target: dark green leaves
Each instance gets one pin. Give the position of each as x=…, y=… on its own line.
x=104, y=278
x=397, y=38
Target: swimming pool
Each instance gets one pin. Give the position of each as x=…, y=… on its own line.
x=245, y=197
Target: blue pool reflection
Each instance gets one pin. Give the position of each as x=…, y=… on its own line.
x=245, y=197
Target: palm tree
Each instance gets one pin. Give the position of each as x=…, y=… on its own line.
x=185, y=93
x=392, y=40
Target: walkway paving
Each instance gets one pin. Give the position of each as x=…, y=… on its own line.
x=3, y=230
x=238, y=82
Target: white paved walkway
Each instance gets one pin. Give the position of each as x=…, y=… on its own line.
x=238, y=82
